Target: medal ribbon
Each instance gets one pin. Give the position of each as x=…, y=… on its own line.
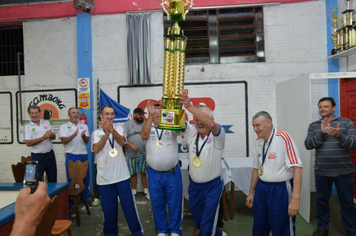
x=197, y=141
x=111, y=141
x=159, y=136
x=264, y=154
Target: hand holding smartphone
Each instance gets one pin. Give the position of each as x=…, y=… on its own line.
x=31, y=175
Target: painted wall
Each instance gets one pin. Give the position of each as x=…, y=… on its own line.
x=295, y=46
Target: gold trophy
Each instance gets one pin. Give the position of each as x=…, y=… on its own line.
x=172, y=116
x=335, y=33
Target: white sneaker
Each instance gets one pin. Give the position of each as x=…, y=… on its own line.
x=84, y=208
x=147, y=196
x=162, y=234
x=223, y=233
x=174, y=234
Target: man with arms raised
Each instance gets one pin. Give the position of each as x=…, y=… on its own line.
x=276, y=179
x=38, y=135
x=75, y=135
x=113, y=175
x=164, y=175
x=206, y=142
x=333, y=137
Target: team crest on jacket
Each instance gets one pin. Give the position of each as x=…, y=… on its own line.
x=272, y=155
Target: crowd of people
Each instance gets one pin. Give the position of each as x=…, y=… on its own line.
x=276, y=176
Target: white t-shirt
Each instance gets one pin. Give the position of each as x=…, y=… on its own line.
x=77, y=145
x=110, y=169
x=165, y=158
x=281, y=156
x=32, y=131
x=210, y=155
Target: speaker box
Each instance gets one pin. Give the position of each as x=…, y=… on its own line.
x=84, y=5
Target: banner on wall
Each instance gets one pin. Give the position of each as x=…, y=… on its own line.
x=83, y=93
x=228, y=101
x=54, y=105
x=6, y=126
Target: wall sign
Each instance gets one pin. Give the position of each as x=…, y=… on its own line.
x=54, y=105
x=83, y=93
x=228, y=101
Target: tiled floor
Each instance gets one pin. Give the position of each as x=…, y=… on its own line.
x=92, y=225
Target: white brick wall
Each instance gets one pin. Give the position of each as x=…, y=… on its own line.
x=50, y=62
x=295, y=38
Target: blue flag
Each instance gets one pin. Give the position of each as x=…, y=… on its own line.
x=121, y=112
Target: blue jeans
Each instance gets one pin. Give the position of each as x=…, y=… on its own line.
x=345, y=187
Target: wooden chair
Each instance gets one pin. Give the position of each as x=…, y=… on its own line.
x=77, y=172
x=61, y=226
x=18, y=171
x=49, y=226
x=24, y=159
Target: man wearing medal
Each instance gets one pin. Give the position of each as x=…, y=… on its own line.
x=113, y=176
x=206, y=142
x=163, y=174
x=75, y=135
x=276, y=179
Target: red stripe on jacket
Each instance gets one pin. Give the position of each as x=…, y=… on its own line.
x=289, y=145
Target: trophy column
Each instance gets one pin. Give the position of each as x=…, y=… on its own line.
x=172, y=115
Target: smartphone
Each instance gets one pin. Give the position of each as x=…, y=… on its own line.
x=31, y=173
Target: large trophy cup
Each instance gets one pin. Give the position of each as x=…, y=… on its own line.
x=172, y=116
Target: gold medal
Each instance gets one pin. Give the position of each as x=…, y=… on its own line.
x=113, y=152
x=196, y=162
x=261, y=170
x=159, y=144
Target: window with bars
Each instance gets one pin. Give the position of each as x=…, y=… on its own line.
x=225, y=35
x=11, y=43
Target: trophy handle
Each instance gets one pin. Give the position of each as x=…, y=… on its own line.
x=164, y=2
x=191, y=4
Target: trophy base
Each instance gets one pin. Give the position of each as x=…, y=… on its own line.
x=334, y=51
x=172, y=119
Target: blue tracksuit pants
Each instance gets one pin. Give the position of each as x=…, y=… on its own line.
x=109, y=206
x=270, y=209
x=204, y=200
x=166, y=188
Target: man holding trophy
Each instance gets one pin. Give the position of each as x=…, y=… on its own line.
x=206, y=139
x=163, y=174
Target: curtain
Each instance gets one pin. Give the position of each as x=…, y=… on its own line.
x=139, y=47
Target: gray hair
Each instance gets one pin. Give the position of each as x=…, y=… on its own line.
x=264, y=114
x=72, y=109
x=207, y=110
